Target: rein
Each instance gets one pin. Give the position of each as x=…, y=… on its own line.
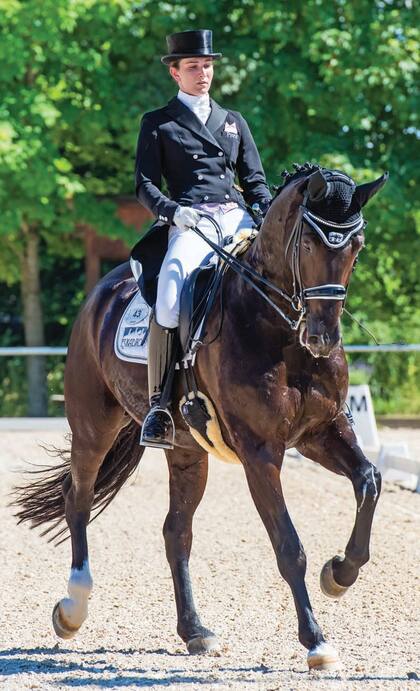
x=326, y=291
x=247, y=274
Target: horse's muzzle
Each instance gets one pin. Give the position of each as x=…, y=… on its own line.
x=319, y=344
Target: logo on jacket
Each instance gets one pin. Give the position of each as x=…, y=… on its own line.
x=230, y=129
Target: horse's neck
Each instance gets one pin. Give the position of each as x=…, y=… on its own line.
x=267, y=256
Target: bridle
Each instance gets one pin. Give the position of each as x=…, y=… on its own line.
x=338, y=236
x=297, y=301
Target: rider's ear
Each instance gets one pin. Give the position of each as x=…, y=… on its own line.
x=364, y=192
x=318, y=187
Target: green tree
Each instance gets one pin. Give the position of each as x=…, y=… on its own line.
x=64, y=117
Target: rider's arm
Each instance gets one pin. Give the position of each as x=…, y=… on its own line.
x=148, y=173
x=249, y=168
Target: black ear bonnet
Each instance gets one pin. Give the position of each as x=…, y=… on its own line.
x=332, y=208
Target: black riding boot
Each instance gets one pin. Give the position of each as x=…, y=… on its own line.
x=158, y=427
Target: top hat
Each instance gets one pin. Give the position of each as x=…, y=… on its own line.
x=190, y=44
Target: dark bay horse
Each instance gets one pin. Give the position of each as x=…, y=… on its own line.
x=276, y=382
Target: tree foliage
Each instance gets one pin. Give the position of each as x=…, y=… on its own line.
x=64, y=117
x=326, y=81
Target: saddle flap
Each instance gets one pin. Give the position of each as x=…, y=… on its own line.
x=194, y=301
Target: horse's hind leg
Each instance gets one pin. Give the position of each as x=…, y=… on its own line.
x=188, y=477
x=87, y=454
x=337, y=449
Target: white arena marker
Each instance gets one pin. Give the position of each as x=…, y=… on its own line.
x=395, y=464
x=360, y=403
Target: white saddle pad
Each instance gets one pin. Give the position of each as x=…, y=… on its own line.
x=132, y=334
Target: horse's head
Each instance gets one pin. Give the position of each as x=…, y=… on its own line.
x=323, y=237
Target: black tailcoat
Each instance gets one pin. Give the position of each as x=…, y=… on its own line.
x=199, y=164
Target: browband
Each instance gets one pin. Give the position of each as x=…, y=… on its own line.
x=334, y=238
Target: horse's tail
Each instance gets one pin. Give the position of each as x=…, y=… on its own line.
x=42, y=500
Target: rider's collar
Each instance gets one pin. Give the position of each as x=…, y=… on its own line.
x=193, y=102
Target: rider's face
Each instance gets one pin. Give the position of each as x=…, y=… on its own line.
x=193, y=75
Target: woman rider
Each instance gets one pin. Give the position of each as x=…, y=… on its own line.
x=199, y=149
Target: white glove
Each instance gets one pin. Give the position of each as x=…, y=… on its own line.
x=185, y=217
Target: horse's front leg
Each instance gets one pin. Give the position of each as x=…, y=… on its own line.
x=337, y=449
x=262, y=465
x=187, y=482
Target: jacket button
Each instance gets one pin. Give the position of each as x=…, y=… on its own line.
x=195, y=155
x=220, y=153
x=206, y=198
x=227, y=196
x=222, y=176
x=200, y=177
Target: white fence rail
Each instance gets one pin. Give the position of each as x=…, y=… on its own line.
x=27, y=350
x=13, y=351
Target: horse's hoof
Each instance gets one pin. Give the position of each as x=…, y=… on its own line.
x=329, y=585
x=199, y=645
x=323, y=657
x=62, y=627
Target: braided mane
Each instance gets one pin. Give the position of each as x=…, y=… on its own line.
x=299, y=171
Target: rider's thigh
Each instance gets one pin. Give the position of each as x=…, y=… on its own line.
x=235, y=220
x=185, y=252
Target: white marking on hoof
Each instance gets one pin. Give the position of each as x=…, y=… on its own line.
x=323, y=657
x=70, y=613
x=201, y=645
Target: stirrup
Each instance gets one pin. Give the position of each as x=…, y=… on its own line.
x=161, y=441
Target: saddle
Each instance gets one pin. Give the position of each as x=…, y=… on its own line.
x=197, y=298
x=199, y=292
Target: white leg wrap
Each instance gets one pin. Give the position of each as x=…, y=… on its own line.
x=74, y=608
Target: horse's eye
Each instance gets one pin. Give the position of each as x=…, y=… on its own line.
x=307, y=247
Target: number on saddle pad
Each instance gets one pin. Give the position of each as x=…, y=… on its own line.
x=132, y=334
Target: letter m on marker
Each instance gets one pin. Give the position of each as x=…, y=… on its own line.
x=355, y=405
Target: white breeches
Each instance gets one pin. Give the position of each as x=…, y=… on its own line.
x=186, y=251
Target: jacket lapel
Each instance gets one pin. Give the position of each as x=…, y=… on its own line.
x=217, y=117
x=184, y=116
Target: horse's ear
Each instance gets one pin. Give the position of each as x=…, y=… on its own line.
x=318, y=187
x=364, y=192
